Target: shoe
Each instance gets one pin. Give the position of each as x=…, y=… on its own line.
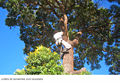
x=65, y=50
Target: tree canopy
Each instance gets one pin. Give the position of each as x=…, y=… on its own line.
x=38, y=19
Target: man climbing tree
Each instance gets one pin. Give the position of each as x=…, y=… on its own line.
x=60, y=43
x=85, y=27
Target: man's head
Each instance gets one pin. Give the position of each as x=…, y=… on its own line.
x=55, y=31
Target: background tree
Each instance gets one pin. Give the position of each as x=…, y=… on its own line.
x=38, y=20
x=113, y=53
x=118, y=1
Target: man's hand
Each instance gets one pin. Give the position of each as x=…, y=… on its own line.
x=80, y=33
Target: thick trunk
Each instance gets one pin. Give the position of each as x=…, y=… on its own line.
x=68, y=62
x=68, y=58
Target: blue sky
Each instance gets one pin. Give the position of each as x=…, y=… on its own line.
x=11, y=49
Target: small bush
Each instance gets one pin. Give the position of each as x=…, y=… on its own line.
x=42, y=62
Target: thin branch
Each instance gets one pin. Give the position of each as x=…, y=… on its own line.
x=58, y=2
x=86, y=42
x=66, y=4
x=71, y=7
x=62, y=2
x=44, y=7
x=89, y=29
x=62, y=8
x=53, y=5
x=52, y=8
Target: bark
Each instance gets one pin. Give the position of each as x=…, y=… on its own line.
x=68, y=62
x=68, y=58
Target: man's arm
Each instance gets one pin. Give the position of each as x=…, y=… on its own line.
x=58, y=35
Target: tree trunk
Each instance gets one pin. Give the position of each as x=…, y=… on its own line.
x=68, y=62
x=68, y=58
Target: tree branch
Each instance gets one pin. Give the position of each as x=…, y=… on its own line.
x=65, y=30
x=44, y=7
x=60, y=5
x=77, y=39
x=78, y=71
x=58, y=2
x=91, y=31
x=52, y=8
x=71, y=7
x=62, y=2
x=66, y=4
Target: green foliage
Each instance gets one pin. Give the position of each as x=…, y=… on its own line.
x=42, y=62
x=19, y=72
x=85, y=73
x=38, y=19
x=118, y=1
x=81, y=73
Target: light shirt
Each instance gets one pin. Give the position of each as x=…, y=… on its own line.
x=58, y=35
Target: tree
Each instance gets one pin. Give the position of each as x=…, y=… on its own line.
x=113, y=51
x=38, y=20
x=118, y=1
x=42, y=62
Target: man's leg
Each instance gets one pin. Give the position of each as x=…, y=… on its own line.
x=57, y=43
x=60, y=41
x=67, y=46
x=61, y=52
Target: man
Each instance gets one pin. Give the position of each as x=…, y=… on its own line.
x=59, y=40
